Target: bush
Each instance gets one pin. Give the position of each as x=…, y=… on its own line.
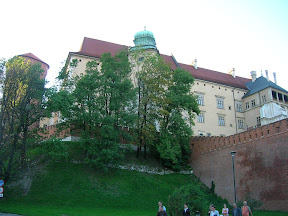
x=55, y=149
x=197, y=198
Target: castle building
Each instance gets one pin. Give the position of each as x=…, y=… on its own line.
x=32, y=59
x=229, y=104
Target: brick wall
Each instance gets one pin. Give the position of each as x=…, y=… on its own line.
x=261, y=164
x=53, y=131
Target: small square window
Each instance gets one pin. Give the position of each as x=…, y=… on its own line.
x=239, y=107
x=240, y=123
x=200, y=99
x=220, y=103
x=247, y=105
x=221, y=121
x=200, y=118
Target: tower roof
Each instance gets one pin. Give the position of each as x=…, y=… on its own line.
x=145, y=40
x=32, y=56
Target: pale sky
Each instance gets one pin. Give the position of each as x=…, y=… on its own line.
x=221, y=34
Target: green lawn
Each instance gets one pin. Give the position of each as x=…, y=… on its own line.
x=270, y=213
x=77, y=189
x=68, y=189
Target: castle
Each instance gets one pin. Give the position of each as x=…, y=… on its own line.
x=248, y=116
x=229, y=104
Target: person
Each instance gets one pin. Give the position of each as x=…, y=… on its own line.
x=225, y=211
x=246, y=210
x=161, y=204
x=236, y=211
x=161, y=211
x=209, y=210
x=186, y=211
x=213, y=211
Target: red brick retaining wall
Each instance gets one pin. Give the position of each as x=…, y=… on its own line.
x=261, y=164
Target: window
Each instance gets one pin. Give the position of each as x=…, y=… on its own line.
x=239, y=107
x=258, y=119
x=240, y=123
x=200, y=99
x=253, y=103
x=280, y=96
x=247, y=105
x=274, y=95
x=220, y=103
x=263, y=98
x=200, y=118
x=209, y=134
x=201, y=133
x=221, y=121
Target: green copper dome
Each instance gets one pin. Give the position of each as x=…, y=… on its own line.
x=145, y=40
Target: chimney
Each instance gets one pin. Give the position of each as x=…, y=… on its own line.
x=267, y=77
x=194, y=63
x=253, y=75
x=275, y=81
x=232, y=72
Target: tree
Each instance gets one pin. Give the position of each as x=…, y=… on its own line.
x=100, y=103
x=153, y=78
x=21, y=107
x=174, y=141
x=166, y=108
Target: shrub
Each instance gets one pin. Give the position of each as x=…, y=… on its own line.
x=197, y=198
x=55, y=149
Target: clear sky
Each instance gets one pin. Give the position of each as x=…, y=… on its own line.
x=221, y=34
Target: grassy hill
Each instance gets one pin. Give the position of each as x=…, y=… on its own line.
x=61, y=187
x=76, y=189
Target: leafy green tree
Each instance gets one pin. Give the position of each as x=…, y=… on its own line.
x=100, y=103
x=152, y=78
x=21, y=107
x=176, y=121
x=166, y=108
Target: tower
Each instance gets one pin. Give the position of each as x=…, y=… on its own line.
x=144, y=40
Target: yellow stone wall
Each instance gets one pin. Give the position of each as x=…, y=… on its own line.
x=212, y=91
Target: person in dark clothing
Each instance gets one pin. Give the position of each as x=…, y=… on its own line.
x=186, y=211
x=161, y=211
x=236, y=211
x=209, y=210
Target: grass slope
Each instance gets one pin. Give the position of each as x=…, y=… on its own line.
x=69, y=189
x=62, y=187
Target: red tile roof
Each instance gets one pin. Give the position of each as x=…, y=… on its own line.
x=95, y=48
x=32, y=56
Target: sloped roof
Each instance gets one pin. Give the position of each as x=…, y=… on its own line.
x=210, y=75
x=32, y=56
x=259, y=84
x=95, y=48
